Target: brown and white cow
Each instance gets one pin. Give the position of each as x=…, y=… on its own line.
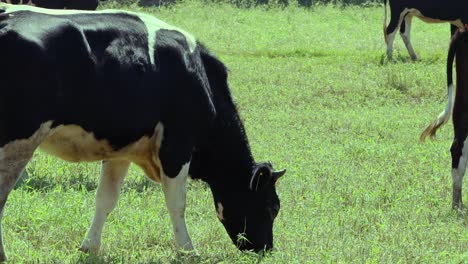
x=454, y=12
x=458, y=104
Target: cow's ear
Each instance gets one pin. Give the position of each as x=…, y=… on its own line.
x=262, y=175
x=277, y=174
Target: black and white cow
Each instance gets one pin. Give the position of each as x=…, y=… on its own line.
x=454, y=12
x=58, y=4
x=457, y=103
x=123, y=87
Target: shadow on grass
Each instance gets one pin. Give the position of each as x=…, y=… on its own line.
x=80, y=182
x=399, y=59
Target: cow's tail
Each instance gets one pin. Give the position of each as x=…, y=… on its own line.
x=445, y=115
x=385, y=21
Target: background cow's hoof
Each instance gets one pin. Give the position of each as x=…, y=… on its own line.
x=87, y=248
x=457, y=206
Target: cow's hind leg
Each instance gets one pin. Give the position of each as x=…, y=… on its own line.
x=107, y=195
x=405, y=33
x=459, y=153
x=13, y=159
x=390, y=32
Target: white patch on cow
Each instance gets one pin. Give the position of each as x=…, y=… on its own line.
x=107, y=195
x=175, y=194
x=445, y=115
x=152, y=23
x=73, y=143
x=219, y=211
x=458, y=173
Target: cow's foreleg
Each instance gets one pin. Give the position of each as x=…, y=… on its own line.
x=459, y=160
x=107, y=194
x=175, y=194
x=405, y=33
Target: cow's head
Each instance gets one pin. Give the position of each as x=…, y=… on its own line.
x=248, y=215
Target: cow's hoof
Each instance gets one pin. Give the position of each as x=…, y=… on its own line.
x=87, y=248
x=189, y=256
x=3, y=257
x=457, y=206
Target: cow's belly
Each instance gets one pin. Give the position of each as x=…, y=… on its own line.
x=73, y=143
x=427, y=19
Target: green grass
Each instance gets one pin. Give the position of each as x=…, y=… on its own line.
x=318, y=97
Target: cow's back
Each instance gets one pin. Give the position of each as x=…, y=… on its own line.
x=112, y=73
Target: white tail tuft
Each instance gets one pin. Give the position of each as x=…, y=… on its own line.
x=441, y=119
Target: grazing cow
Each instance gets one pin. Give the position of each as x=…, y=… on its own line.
x=123, y=87
x=457, y=103
x=431, y=11
x=58, y=4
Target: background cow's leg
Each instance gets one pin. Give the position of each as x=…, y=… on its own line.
x=107, y=195
x=459, y=160
x=391, y=30
x=405, y=31
x=175, y=194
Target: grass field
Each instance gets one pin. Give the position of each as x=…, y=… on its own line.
x=318, y=97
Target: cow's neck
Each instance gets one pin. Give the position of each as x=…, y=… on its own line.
x=226, y=162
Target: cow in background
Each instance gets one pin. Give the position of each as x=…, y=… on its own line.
x=457, y=103
x=454, y=12
x=58, y=4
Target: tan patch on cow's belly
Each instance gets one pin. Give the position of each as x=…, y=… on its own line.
x=415, y=12
x=73, y=143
